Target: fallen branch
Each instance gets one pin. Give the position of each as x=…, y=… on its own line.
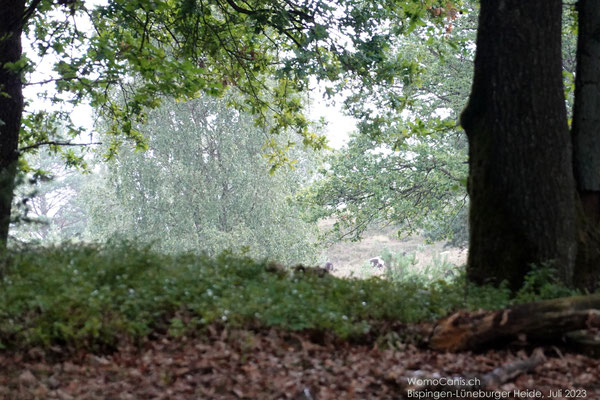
x=510, y=371
x=422, y=382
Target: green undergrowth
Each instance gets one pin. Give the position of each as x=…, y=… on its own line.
x=94, y=296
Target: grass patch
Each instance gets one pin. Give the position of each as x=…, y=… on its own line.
x=94, y=296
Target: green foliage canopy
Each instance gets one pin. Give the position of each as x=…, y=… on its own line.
x=202, y=185
x=266, y=49
x=406, y=168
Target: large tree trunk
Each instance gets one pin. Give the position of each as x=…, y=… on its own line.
x=11, y=105
x=586, y=110
x=586, y=142
x=521, y=183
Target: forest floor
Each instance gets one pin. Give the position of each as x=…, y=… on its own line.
x=257, y=362
x=275, y=364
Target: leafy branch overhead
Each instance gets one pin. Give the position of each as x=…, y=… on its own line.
x=123, y=56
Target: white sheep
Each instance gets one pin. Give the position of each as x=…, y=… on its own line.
x=377, y=262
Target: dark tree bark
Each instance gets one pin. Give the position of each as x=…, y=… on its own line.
x=586, y=143
x=586, y=110
x=11, y=105
x=521, y=183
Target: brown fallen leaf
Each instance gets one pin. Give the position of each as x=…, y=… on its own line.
x=27, y=378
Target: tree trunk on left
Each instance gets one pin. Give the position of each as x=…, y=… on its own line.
x=521, y=184
x=11, y=105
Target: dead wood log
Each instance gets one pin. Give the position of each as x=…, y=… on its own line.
x=585, y=342
x=547, y=320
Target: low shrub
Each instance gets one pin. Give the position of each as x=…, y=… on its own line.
x=86, y=296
